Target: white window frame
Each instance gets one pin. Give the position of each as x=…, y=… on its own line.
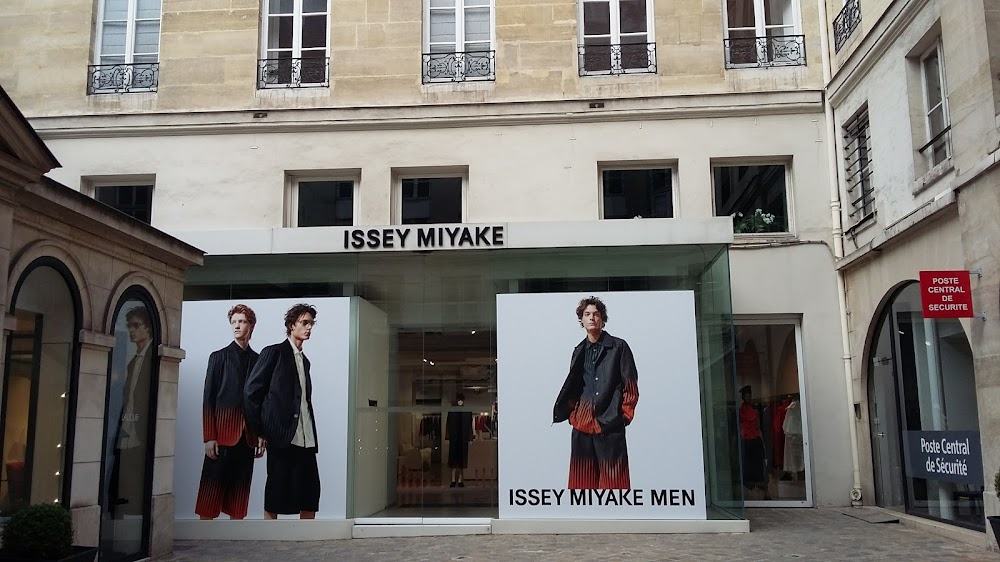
x=615, y=35
x=90, y=184
x=130, y=25
x=292, y=194
x=612, y=167
x=777, y=320
x=789, y=192
x=397, y=191
x=937, y=48
x=760, y=30
x=459, y=9
x=296, y=48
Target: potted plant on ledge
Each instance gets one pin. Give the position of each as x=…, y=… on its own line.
x=42, y=532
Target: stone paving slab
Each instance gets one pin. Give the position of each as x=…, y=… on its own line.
x=775, y=534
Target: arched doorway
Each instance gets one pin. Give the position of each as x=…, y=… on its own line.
x=36, y=430
x=924, y=418
x=127, y=477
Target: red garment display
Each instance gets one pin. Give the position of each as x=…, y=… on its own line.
x=749, y=426
x=778, y=434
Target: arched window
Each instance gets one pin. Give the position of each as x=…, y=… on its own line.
x=923, y=414
x=131, y=428
x=40, y=367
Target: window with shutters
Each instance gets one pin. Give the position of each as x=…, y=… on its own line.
x=127, y=50
x=458, y=41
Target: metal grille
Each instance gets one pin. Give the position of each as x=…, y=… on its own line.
x=857, y=162
x=123, y=78
x=778, y=50
x=459, y=66
x=624, y=58
x=293, y=73
x=846, y=22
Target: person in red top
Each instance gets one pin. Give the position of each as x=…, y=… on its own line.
x=753, y=442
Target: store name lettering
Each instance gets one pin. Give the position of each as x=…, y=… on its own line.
x=534, y=497
x=423, y=238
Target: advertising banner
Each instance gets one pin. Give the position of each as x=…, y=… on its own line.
x=602, y=430
x=302, y=466
x=953, y=456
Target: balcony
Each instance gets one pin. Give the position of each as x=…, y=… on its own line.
x=626, y=58
x=123, y=78
x=293, y=73
x=459, y=66
x=845, y=23
x=765, y=52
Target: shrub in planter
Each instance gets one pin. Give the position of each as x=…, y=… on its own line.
x=41, y=532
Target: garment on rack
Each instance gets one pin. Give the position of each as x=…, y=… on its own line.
x=794, y=460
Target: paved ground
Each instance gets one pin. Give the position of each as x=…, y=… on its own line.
x=776, y=534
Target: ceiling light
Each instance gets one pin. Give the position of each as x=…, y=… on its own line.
x=425, y=360
x=473, y=331
x=432, y=363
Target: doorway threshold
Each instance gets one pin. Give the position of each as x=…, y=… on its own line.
x=376, y=527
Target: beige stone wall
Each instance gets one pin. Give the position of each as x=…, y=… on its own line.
x=209, y=51
x=103, y=268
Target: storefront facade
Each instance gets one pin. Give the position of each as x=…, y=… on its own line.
x=91, y=326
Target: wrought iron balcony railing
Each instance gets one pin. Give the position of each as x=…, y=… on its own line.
x=459, y=66
x=624, y=58
x=123, y=78
x=845, y=23
x=293, y=73
x=778, y=50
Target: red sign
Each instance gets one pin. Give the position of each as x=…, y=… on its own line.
x=945, y=294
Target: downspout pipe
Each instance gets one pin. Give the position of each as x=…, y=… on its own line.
x=838, y=245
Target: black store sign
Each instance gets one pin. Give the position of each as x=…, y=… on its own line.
x=413, y=238
x=954, y=456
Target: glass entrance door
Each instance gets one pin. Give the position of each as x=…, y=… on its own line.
x=924, y=415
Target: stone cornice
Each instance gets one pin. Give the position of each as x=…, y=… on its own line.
x=436, y=116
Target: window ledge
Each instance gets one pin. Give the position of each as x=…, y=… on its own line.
x=756, y=238
x=276, y=92
x=476, y=85
x=932, y=176
x=861, y=226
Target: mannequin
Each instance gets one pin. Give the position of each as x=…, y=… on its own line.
x=458, y=432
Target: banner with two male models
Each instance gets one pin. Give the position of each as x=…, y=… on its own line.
x=603, y=406
x=261, y=409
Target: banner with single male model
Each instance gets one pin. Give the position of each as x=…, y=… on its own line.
x=263, y=427
x=603, y=406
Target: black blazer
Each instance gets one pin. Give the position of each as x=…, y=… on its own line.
x=272, y=397
x=222, y=407
x=617, y=391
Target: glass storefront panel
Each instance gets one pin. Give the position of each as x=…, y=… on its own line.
x=35, y=407
x=924, y=415
x=435, y=323
x=131, y=427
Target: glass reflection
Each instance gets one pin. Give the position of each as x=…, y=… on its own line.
x=125, y=503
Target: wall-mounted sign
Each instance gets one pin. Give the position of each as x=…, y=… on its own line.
x=954, y=456
x=423, y=238
x=946, y=294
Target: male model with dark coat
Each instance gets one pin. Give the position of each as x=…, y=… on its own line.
x=599, y=399
x=132, y=440
x=278, y=407
x=230, y=447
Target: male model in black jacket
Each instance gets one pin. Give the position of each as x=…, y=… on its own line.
x=230, y=447
x=278, y=407
x=599, y=399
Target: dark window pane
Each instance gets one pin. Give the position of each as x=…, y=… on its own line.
x=596, y=54
x=313, y=31
x=133, y=200
x=633, y=16
x=432, y=200
x=326, y=203
x=637, y=193
x=596, y=18
x=754, y=196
